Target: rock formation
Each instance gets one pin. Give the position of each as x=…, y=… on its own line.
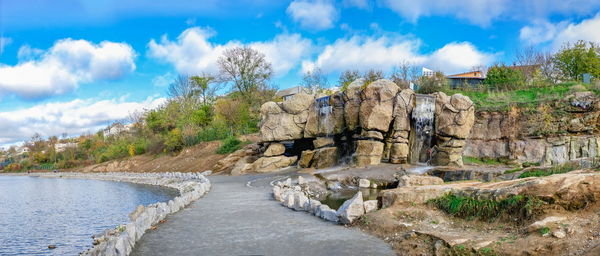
x=365, y=124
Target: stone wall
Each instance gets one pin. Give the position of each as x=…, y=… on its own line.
x=550, y=134
x=120, y=241
x=367, y=124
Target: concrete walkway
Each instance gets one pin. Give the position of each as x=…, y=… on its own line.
x=239, y=217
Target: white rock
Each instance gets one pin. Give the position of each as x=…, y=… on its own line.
x=544, y=223
x=370, y=205
x=559, y=234
x=364, y=183
x=301, y=180
x=299, y=201
x=329, y=215
x=288, y=182
x=313, y=205
x=351, y=209
x=277, y=193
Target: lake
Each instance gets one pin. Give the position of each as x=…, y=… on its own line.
x=36, y=212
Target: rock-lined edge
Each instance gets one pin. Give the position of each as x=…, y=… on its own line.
x=297, y=197
x=121, y=240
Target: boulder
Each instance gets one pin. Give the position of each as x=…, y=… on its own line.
x=455, y=117
x=275, y=149
x=327, y=213
x=550, y=222
x=300, y=201
x=297, y=103
x=269, y=164
x=306, y=158
x=323, y=142
x=352, y=101
x=376, y=108
x=370, y=205
x=399, y=153
x=351, y=209
x=418, y=180
x=325, y=157
x=278, y=125
x=314, y=204
x=368, y=152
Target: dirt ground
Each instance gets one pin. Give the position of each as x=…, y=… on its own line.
x=422, y=229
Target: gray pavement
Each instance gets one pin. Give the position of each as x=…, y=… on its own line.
x=239, y=217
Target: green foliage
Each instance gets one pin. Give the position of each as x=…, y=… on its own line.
x=229, y=145
x=504, y=78
x=212, y=133
x=431, y=84
x=577, y=59
x=482, y=161
x=202, y=116
x=544, y=230
x=558, y=169
x=522, y=207
x=174, y=140
x=513, y=170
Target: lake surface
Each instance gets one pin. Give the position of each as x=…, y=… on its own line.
x=36, y=212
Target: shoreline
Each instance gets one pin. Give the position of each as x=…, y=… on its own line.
x=122, y=239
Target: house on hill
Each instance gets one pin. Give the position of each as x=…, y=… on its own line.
x=471, y=79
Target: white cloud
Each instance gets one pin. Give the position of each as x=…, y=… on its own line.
x=557, y=34
x=383, y=52
x=4, y=41
x=483, y=12
x=73, y=117
x=163, y=80
x=193, y=53
x=64, y=66
x=315, y=15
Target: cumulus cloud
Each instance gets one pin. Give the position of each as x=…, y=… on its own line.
x=64, y=66
x=73, y=117
x=163, y=80
x=383, y=52
x=193, y=53
x=315, y=15
x=557, y=34
x=482, y=12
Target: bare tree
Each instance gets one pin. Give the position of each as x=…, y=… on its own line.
x=404, y=74
x=246, y=69
x=314, y=80
x=181, y=88
x=347, y=77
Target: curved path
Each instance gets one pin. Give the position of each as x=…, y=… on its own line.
x=239, y=217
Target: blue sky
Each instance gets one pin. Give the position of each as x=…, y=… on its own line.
x=75, y=66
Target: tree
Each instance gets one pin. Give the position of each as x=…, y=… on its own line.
x=372, y=75
x=431, y=84
x=404, y=74
x=314, y=80
x=202, y=86
x=246, y=69
x=577, y=59
x=181, y=88
x=347, y=77
x=504, y=77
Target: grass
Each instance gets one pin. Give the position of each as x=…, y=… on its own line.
x=482, y=161
x=522, y=207
x=544, y=230
x=513, y=170
x=525, y=97
x=547, y=172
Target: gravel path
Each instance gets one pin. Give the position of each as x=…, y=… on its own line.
x=239, y=217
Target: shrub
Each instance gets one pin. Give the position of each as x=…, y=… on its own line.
x=547, y=172
x=213, y=133
x=229, y=145
x=174, y=141
x=504, y=78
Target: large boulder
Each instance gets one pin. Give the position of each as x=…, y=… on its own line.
x=351, y=209
x=352, y=103
x=325, y=157
x=275, y=149
x=418, y=180
x=269, y=164
x=324, y=121
x=278, y=125
x=377, y=106
x=298, y=103
x=455, y=117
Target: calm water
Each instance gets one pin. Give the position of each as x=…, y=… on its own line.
x=37, y=212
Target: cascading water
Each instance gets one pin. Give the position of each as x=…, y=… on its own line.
x=324, y=110
x=422, y=129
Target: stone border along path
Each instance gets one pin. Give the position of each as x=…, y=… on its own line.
x=240, y=217
x=296, y=197
x=121, y=240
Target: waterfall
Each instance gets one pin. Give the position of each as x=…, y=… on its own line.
x=422, y=128
x=324, y=109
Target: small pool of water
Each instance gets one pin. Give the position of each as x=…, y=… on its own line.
x=37, y=212
x=335, y=199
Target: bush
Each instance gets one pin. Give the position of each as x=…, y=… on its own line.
x=229, y=145
x=174, y=141
x=519, y=206
x=501, y=77
x=213, y=133
x=551, y=171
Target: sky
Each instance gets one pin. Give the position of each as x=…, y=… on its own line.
x=75, y=66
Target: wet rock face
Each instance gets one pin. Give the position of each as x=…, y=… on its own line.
x=365, y=123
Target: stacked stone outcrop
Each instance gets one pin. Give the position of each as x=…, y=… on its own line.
x=365, y=123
